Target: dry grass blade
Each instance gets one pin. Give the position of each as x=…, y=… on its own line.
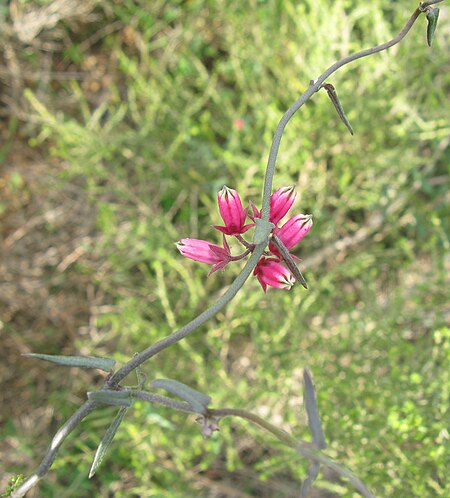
x=28, y=23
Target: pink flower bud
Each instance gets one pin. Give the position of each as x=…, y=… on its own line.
x=205, y=252
x=280, y=203
x=209, y=425
x=271, y=272
x=255, y=210
x=232, y=212
x=293, y=231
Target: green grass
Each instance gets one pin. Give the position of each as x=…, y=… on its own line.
x=154, y=146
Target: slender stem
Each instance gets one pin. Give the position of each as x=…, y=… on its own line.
x=307, y=450
x=426, y=4
x=82, y=412
x=163, y=400
x=248, y=245
x=314, y=87
x=241, y=256
x=281, y=435
x=193, y=325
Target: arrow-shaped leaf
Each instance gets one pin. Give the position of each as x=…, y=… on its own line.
x=288, y=259
x=109, y=397
x=196, y=399
x=107, y=440
x=312, y=411
x=338, y=106
x=105, y=364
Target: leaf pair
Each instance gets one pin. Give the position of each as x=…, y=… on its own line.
x=197, y=400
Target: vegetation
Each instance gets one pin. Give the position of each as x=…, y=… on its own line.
x=121, y=123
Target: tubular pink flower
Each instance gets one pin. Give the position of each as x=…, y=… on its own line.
x=232, y=212
x=205, y=252
x=293, y=231
x=271, y=272
x=280, y=203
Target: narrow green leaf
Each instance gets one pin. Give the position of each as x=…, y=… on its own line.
x=196, y=399
x=288, y=259
x=107, y=440
x=115, y=398
x=432, y=17
x=337, y=105
x=105, y=364
x=312, y=411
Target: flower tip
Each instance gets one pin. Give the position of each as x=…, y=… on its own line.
x=290, y=189
x=226, y=191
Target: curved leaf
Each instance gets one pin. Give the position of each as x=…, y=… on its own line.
x=107, y=440
x=105, y=364
x=312, y=411
x=338, y=106
x=432, y=17
x=196, y=399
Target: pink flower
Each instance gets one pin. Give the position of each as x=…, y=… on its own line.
x=270, y=271
x=293, y=231
x=232, y=212
x=280, y=203
x=205, y=252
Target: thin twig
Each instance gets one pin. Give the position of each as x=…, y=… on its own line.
x=82, y=412
x=307, y=450
x=314, y=87
x=191, y=326
x=426, y=4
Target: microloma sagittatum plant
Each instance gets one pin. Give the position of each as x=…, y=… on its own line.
x=272, y=264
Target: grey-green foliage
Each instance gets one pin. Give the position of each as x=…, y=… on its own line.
x=371, y=327
x=105, y=364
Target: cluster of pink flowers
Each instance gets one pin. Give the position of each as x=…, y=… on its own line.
x=269, y=270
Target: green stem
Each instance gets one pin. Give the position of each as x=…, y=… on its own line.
x=241, y=256
x=191, y=326
x=58, y=439
x=307, y=450
x=314, y=87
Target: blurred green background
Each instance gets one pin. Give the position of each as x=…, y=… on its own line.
x=120, y=121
